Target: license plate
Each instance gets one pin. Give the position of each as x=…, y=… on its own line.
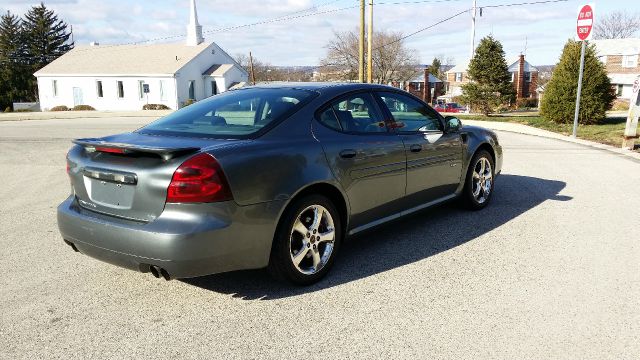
x=111, y=194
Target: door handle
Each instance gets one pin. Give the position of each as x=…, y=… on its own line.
x=347, y=154
x=415, y=148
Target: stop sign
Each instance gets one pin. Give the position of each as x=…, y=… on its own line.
x=585, y=23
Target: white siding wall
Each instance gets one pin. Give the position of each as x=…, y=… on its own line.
x=196, y=67
x=176, y=89
x=110, y=99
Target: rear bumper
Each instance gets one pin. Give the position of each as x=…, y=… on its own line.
x=186, y=240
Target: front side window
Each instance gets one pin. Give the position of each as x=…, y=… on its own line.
x=231, y=114
x=409, y=114
x=141, y=89
x=192, y=89
x=54, y=87
x=458, y=77
x=99, y=91
x=120, y=86
x=630, y=61
x=354, y=114
x=527, y=76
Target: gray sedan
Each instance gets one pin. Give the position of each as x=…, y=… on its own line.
x=269, y=176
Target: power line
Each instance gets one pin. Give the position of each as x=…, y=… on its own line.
x=462, y=12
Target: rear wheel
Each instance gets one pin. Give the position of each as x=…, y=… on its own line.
x=479, y=183
x=307, y=241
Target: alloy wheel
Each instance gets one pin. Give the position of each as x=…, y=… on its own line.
x=312, y=239
x=482, y=180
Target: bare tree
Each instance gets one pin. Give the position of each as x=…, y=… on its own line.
x=265, y=72
x=617, y=25
x=392, y=60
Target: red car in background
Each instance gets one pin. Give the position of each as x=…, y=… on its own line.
x=450, y=108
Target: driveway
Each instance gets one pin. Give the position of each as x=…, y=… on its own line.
x=551, y=269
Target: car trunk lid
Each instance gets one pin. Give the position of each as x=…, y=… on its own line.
x=127, y=175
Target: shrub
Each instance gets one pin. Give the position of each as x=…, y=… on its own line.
x=7, y=109
x=59, y=108
x=559, y=100
x=83, y=108
x=527, y=103
x=155, y=107
x=620, y=105
x=188, y=102
x=23, y=110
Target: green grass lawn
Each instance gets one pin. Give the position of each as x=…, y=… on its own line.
x=609, y=132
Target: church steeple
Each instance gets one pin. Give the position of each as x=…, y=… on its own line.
x=194, y=30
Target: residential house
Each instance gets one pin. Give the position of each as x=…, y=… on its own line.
x=125, y=77
x=418, y=86
x=620, y=57
x=524, y=77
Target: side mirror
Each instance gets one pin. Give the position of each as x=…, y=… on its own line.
x=452, y=124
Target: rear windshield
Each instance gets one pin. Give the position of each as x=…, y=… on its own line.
x=238, y=113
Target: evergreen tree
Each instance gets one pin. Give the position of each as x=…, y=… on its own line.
x=13, y=73
x=435, y=67
x=490, y=84
x=46, y=39
x=559, y=100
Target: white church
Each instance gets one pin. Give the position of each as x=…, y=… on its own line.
x=126, y=77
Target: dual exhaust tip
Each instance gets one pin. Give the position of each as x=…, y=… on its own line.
x=158, y=272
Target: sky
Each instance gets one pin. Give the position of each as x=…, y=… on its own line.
x=539, y=30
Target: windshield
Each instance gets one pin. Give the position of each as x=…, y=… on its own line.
x=238, y=113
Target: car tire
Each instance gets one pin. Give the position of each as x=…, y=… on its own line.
x=304, y=258
x=480, y=181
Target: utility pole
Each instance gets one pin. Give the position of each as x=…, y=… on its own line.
x=253, y=73
x=473, y=30
x=370, y=45
x=361, y=50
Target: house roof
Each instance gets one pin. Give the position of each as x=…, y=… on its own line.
x=145, y=59
x=462, y=67
x=629, y=46
x=420, y=78
x=218, y=69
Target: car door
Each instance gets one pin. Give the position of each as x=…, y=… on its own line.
x=434, y=157
x=366, y=158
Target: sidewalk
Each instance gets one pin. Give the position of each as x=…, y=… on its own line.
x=48, y=115
x=529, y=130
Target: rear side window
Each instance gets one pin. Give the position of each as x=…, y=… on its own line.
x=355, y=114
x=237, y=113
x=409, y=114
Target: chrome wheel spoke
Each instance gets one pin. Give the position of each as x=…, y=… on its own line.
x=299, y=227
x=315, y=255
x=328, y=235
x=297, y=258
x=318, y=212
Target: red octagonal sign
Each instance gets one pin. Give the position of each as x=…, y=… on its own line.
x=585, y=22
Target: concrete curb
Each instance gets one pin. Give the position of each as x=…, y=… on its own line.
x=529, y=130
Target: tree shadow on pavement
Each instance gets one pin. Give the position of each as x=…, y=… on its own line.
x=404, y=241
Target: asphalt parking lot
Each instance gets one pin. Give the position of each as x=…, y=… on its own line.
x=551, y=269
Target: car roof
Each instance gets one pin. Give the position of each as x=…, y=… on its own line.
x=319, y=86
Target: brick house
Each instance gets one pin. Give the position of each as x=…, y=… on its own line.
x=620, y=57
x=419, y=84
x=524, y=77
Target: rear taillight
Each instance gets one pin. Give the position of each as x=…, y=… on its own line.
x=198, y=180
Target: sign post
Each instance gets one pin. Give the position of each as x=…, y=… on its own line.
x=631, y=130
x=584, y=31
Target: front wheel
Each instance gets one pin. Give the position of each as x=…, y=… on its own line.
x=307, y=241
x=479, y=183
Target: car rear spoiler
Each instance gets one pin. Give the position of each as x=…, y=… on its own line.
x=166, y=153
